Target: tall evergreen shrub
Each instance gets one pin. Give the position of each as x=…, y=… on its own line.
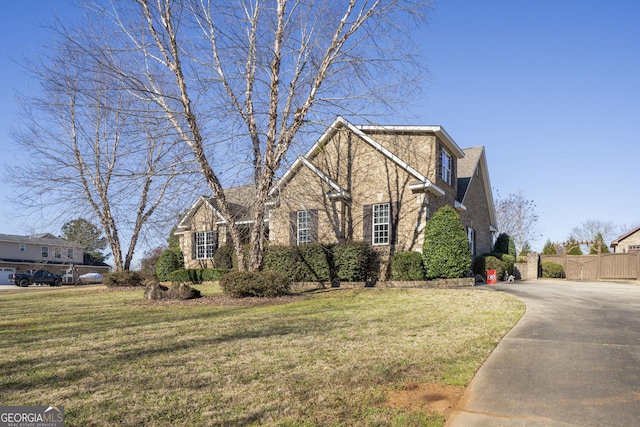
x=170, y=260
x=446, y=252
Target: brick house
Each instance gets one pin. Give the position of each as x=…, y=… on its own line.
x=629, y=242
x=378, y=184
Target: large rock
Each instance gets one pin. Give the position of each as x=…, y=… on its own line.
x=179, y=291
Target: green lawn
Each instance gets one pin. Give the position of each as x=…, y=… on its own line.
x=324, y=358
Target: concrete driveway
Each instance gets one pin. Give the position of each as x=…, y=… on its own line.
x=572, y=360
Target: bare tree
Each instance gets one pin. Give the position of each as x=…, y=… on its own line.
x=518, y=217
x=89, y=151
x=593, y=230
x=239, y=80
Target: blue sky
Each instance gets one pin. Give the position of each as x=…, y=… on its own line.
x=550, y=88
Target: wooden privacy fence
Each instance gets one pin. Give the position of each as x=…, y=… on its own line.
x=602, y=266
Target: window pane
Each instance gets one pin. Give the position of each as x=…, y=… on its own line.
x=381, y=224
x=205, y=245
x=447, y=163
x=304, y=227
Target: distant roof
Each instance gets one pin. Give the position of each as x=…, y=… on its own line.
x=38, y=239
x=624, y=236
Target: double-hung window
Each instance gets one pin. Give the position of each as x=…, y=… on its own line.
x=381, y=223
x=57, y=253
x=446, y=166
x=69, y=253
x=45, y=251
x=471, y=235
x=205, y=245
x=304, y=227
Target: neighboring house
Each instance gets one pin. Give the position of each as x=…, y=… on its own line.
x=21, y=254
x=378, y=184
x=629, y=242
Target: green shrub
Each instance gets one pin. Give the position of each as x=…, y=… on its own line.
x=407, y=266
x=552, y=269
x=353, y=261
x=281, y=259
x=197, y=275
x=240, y=284
x=170, y=260
x=490, y=261
x=313, y=263
x=493, y=263
x=124, y=278
x=445, y=252
x=509, y=261
x=213, y=274
x=223, y=257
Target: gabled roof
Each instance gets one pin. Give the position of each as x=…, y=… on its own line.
x=239, y=199
x=439, y=131
x=340, y=123
x=624, y=236
x=45, y=239
x=475, y=160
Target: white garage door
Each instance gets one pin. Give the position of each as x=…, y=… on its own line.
x=5, y=273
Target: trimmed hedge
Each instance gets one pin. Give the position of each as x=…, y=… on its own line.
x=123, y=278
x=552, y=270
x=197, y=275
x=407, y=266
x=314, y=263
x=281, y=259
x=353, y=261
x=240, y=284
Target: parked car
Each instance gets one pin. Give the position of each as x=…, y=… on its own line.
x=42, y=277
x=90, y=278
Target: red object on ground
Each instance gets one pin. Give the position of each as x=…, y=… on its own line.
x=491, y=277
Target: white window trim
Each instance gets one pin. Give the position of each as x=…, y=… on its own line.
x=380, y=224
x=69, y=253
x=22, y=247
x=205, y=245
x=57, y=253
x=303, y=227
x=44, y=249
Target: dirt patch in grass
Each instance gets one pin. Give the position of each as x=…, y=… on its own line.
x=424, y=397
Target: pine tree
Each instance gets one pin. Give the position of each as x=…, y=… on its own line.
x=598, y=241
x=549, y=248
